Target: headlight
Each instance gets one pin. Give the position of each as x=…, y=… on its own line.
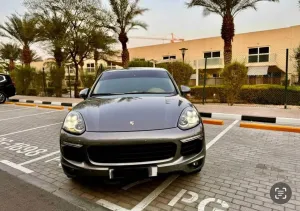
x=189, y=118
x=74, y=123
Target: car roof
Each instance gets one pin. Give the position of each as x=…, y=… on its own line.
x=138, y=68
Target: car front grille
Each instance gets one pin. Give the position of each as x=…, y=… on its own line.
x=131, y=153
x=191, y=147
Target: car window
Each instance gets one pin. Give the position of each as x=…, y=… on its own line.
x=134, y=82
x=2, y=78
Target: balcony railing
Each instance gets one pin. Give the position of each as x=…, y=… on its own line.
x=211, y=63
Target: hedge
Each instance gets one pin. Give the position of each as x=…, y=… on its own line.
x=32, y=92
x=258, y=94
x=50, y=91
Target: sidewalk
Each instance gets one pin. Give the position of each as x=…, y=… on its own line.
x=241, y=109
x=17, y=195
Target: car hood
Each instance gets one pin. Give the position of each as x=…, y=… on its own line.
x=122, y=114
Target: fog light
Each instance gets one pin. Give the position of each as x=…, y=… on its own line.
x=195, y=164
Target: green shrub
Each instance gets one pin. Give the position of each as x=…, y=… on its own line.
x=50, y=91
x=181, y=72
x=87, y=79
x=23, y=77
x=81, y=88
x=38, y=80
x=258, y=94
x=65, y=90
x=140, y=63
x=235, y=76
x=32, y=92
x=57, y=76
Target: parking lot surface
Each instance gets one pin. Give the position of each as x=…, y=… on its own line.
x=241, y=167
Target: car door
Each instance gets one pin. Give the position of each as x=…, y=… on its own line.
x=2, y=82
x=9, y=89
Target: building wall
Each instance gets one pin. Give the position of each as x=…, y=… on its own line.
x=278, y=40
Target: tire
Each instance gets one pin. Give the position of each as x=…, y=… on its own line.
x=69, y=172
x=2, y=97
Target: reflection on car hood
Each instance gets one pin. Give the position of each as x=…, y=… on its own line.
x=116, y=114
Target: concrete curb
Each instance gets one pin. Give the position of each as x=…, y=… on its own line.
x=282, y=128
x=277, y=120
x=43, y=102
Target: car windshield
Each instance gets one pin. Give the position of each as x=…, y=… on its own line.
x=134, y=82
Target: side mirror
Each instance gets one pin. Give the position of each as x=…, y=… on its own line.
x=84, y=93
x=185, y=90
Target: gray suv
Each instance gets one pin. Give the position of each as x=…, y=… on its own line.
x=133, y=122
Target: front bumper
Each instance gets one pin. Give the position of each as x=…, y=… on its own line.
x=178, y=163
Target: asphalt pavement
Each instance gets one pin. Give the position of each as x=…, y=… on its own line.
x=15, y=195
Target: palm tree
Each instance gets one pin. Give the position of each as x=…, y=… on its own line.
x=124, y=14
x=53, y=28
x=24, y=30
x=102, y=46
x=10, y=52
x=227, y=10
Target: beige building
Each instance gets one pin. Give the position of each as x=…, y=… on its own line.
x=88, y=67
x=263, y=52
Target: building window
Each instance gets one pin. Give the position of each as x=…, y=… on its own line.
x=169, y=57
x=212, y=54
x=90, y=67
x=260, y=54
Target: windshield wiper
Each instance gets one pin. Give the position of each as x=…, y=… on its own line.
x=107, y=94
x=148, y=93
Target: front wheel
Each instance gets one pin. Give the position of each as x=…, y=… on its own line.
x=2, y=97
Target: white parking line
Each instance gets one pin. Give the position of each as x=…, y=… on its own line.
x=16, y=109
x=35, y=128
x=28, y=115
x=16, y=166
x=39, y=158
x=212, y=142
x=146, y=201
x=110, y=205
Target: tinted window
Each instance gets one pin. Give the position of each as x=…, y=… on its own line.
x=216, y=54
x=253, y=50
x=207, y=55
x=264, y=50
x=134, y=81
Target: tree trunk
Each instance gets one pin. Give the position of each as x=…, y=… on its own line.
x=76, y=93
x=125, y=53
x=58, y=56
x=227, y=33
x=26, y=55
x=11, y=65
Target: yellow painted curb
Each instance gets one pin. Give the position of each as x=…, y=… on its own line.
x=26, y=104
x=52, y=107
x=213, y=121
x=271, y=127
x=70, y=108
x=9, y=103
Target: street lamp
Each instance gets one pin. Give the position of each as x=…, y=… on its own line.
x=183, y=50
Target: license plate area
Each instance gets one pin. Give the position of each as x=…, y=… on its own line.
x=137, y=172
